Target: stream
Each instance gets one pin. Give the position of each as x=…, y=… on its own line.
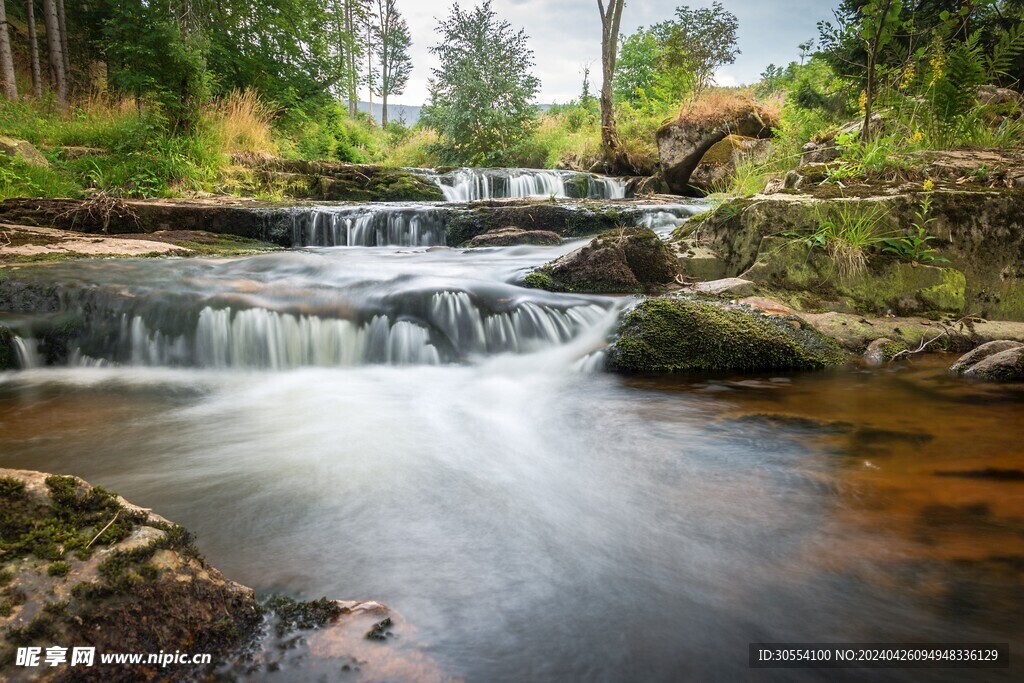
x=404, y=423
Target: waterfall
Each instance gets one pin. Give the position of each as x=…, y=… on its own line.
x=474, y=184
x=370, y=225
x=28, y=355
x=446, y=327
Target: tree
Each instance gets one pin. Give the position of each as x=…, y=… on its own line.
x=881, y=18
x=56, y=52
x=694, y=45
x=481, y=94
x=392, y=47
x=6, y=59
x=33, y=48
x=637, y=79
x=611, y=18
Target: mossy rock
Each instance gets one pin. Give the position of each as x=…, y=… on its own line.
x=679, y=335
x=619, y=261
x=8, y=352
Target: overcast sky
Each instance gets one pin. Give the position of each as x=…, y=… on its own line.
x=565, y=35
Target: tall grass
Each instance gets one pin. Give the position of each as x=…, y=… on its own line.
x=241, y=122
x=847, y=231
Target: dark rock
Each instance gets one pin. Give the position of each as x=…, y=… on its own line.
x=8, y=353
x=677, y=335
x=510, y=236
x=998, y=361
x=646, y=185
x=684, y=142
x=619, y=261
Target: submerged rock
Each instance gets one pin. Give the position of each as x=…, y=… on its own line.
x=678, y=335
x=882, y=351
x=510, y=236
x=620, y=261
x=1001, y=360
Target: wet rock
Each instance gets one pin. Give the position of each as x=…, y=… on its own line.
x=1001, y=360
x=882, y=351
x=23, y=150
x=684, y=142
x=619, y=261
x=679, y=335
x=510, y=236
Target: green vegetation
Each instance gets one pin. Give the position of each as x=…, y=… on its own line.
x=482, y=93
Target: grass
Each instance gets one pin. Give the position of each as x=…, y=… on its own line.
x=847, y=232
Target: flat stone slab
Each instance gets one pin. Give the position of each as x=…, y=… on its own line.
x=729, y=285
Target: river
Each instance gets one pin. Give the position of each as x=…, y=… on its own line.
x=408, y=425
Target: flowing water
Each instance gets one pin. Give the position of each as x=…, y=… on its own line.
x=473, y=184
x=408, y=425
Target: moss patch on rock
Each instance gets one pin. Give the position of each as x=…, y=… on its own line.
x=679, y=335
x=8, y=353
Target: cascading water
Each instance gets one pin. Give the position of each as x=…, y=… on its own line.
x=370, y=225
x=474, y=184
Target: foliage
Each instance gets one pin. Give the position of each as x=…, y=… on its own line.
x=916, y=247
x=481, y=94
x=676, y=57
x=392, y=51
x=846, y=232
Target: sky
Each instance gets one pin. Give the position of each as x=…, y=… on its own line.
x=565, y=36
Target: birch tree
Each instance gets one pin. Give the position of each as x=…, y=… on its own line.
x=6, y=60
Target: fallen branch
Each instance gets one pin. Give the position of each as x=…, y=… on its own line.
x=101, y=208
x=946, y=332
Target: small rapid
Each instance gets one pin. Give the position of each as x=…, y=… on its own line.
x=474, y=184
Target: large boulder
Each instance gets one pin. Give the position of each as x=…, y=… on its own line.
x=23, y=150
x=620, y=261
x=684, y=142
x=1001, y=360
x=680, y=335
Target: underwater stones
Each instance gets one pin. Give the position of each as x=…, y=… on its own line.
x=1000, y=360
x=680, y=335
x=618, y=261
x=510, y=236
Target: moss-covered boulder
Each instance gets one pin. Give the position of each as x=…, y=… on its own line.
x=619, y=261
x=680, y=335
x=885, y=286
x=8, y=353
x=22, y=150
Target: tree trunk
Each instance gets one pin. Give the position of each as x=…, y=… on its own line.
x=610, y=18
x=384, y=110
x=64, y=51
x=33, y=49
x=6, y=59
x=60, y=83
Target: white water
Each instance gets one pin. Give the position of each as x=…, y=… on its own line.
x=474, y=184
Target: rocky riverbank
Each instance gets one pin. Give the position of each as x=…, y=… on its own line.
x=81, y=567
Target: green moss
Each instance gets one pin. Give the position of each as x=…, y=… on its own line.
x=675, y=335
x=539, y=280
x=6, y=607
x=626, y=260
x=59, y=568
x=891, y=348
x=294, y=615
